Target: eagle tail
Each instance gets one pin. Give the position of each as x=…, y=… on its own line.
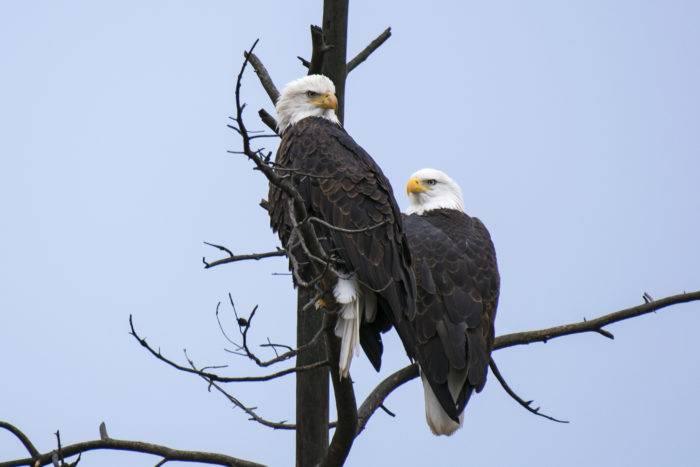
x=439, y=421
x=347, y=328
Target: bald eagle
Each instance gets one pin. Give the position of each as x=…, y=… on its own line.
x=458, y=285
x=343, y=186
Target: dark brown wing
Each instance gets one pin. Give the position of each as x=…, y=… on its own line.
x=458, y=284
x=342, y=185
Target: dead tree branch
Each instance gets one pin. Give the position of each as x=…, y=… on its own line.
x=318, y=50
x=231, y=258
x=376, y=398
x=213, y=376
x=367, y=51
x=22, y=438
x=594, y=325
x=402, y=376
x=250, y=411
x=308, y=237
x=340, y=229
x=263, y=76
x=345, y=403
x=268, y=85
x=526, y=404
x=243, y=349
x=110, y=444
x=268, y=119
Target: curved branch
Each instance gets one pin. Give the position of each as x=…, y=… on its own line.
x=526, y=404
x=345, y=403
x=402, y=376
x=594, y=325
x=22, y=437
x=376, y=398
x=367, y=51
x=111, y=444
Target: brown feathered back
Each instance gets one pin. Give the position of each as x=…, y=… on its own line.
x=341, y=184
x=458, y=286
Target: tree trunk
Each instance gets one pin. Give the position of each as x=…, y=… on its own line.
x=335, y=30
x=312, y=386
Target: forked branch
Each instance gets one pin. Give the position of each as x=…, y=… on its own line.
x=318, y=50
x=213, y=377
x=110, y=444
x=243, y=348
x=231, y=258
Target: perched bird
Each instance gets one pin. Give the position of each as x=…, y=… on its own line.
x=342, y=185
x=458, y=285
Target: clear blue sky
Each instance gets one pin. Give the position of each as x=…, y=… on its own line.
x=572, y=128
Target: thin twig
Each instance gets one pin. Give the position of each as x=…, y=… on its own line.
x=243, y=349
x=367, y=51
x=231, y=258
x=526, y=404
x=387, y=411
x=340, y=229
x=212, y=376
x=250, y=411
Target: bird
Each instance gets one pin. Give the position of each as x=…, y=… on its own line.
x=458, y=284
x=342, y=186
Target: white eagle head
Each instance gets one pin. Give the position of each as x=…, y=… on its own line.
x=430, y=189
x=310, y=96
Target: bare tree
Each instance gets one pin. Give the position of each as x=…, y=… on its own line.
x=316, y=350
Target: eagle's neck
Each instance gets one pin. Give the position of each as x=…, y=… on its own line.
x=289, y=117
x=422, y=203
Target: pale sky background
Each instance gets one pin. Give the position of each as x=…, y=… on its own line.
x=572, y=127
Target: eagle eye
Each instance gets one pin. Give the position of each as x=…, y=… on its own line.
x=430, y=181
x=311, y=94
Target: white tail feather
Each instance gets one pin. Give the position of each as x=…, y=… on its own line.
x=439, y=422
x=347, y=328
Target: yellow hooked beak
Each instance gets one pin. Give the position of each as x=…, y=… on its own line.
x=327, y=101
x=414, y=186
